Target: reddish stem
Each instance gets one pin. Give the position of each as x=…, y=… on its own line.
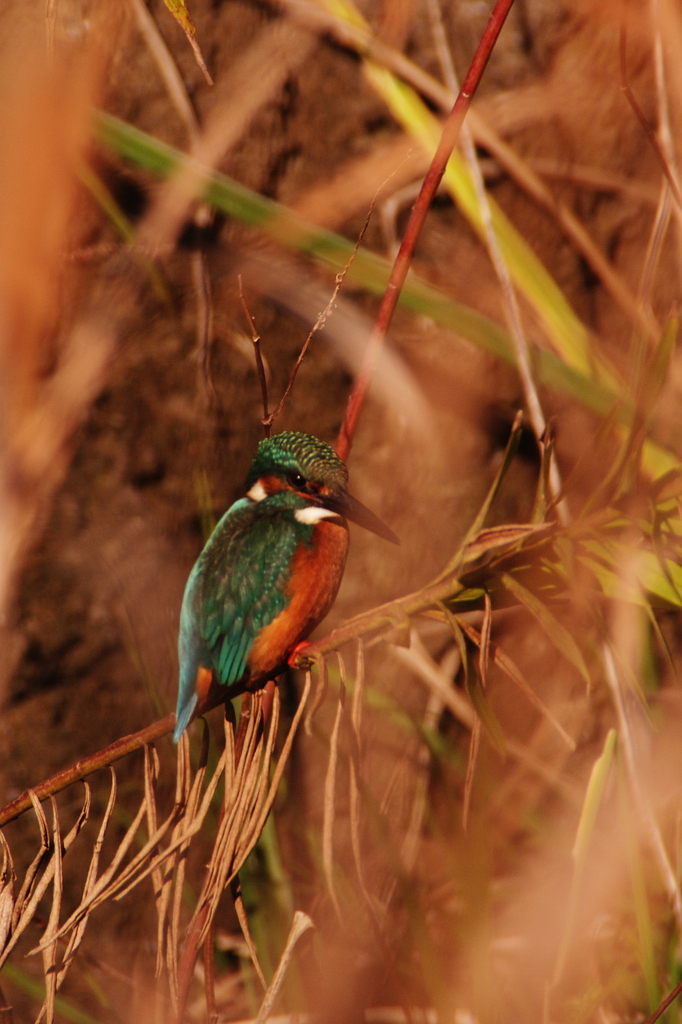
x=429, y=187
x=209, y=975
x=188, y=959
x=88, y=765
x=660, y=1010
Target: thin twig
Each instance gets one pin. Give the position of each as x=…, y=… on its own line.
x=269, y=417
x=414, y=226
x=322, y=318
x=641, y=117
x=255, y=338
x=662, y=1007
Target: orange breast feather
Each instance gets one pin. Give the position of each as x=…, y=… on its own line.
x=315, y=579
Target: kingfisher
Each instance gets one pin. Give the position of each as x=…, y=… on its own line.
x=269, y=572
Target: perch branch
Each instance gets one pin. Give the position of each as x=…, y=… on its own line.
x=417, y=217
x=86, y=766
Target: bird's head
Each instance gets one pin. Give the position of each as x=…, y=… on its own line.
x=308, y=467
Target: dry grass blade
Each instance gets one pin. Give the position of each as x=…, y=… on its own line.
x=282, y=762
x=102, y=884
x=78, y=932
x=330, y=790
x=151, y=774
x=665, y=866
x=474, y=746
x=49, y=940
x=167, y=67
x=244, y=794
x=7, y=880
x=421, y=663
x=320, y=693
x=300, y=925
x=484, y=647
x=186, y=796
x=505, y=663
x=180, y=11
x=141, y=866
x=258, y=355
x=246, y=932
x=237, y=802
x=356, y=768
x=26, y=890
x=556, y=632
x=254, y=825
x=34, y=884
x=591, y=805
x=449, y=665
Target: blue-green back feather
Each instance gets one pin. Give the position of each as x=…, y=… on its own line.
x=237, y=587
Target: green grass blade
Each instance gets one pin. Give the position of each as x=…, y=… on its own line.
x=592, y=802
x=588, y=817
x=368, y=270
x=34, y=988
x=564, y=329
x=661, y=586
x=371, y=272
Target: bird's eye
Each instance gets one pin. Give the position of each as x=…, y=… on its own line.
x=297, y=480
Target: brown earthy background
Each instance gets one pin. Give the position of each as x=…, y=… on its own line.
x=128, y=425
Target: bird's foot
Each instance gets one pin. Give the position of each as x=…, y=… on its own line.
x=297, y=658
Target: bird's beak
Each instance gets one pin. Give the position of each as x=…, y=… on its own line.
x=344, y=504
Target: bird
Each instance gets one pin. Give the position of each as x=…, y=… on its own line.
x=268, y=574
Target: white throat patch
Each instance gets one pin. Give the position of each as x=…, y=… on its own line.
x=313, y=514
x=257, y=492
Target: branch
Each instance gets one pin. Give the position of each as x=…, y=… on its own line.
x=417, y=217
x=387, y=615
x=88, y=765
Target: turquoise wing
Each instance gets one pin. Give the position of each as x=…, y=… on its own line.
x=245, y=587
x=238, y=586
x=245, y=573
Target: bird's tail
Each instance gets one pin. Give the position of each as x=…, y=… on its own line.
x=183, y=716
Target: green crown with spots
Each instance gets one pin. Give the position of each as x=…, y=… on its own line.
x=302, y=453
